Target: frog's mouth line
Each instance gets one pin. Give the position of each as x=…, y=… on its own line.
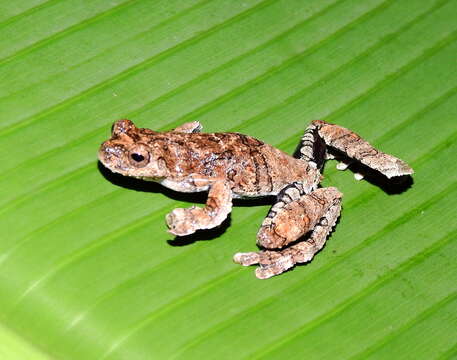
x=109, y=165
x=149, y=178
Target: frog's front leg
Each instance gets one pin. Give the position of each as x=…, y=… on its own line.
x=189, y=127
x=183, y=222
x=290, y=218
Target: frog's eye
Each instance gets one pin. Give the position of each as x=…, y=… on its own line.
x=139, y=157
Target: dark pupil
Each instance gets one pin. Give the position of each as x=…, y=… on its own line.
x=137, y=157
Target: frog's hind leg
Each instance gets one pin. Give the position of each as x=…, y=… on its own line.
x=294, y=215
x=312, y=148
x=183, y=222
x=352, y=145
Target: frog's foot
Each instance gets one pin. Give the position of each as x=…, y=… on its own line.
x=271, y=262
x=289, y=219
x=343, y=165
x=183, y=222
x=247, y=258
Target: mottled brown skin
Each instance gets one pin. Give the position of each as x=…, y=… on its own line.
x=230, y=165
x=192, y=161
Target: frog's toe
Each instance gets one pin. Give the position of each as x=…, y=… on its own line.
x=247, y=258
x=281, y=264
x=178, y=223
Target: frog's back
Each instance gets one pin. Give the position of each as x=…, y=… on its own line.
x=262, y=169
x=253, y=167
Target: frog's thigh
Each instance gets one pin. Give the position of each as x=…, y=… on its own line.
x=323, y=205
x=293, y=215
x=218, y=205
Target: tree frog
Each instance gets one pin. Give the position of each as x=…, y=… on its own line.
x=233, y=165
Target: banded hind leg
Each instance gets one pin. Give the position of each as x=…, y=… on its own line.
x=294, y=215
x=320, y=135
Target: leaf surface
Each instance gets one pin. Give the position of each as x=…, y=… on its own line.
x=87, y=269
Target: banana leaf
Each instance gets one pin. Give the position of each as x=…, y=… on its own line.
x=87, y=268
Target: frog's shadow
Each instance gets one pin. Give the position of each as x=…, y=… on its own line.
x=148, y=186
x=393, y=186
x=192, y=198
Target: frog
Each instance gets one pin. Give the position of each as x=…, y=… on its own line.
x=230, y=165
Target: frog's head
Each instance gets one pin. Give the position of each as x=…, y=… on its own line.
x=129, y=151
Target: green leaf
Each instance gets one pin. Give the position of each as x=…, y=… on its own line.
x=12, y=346
x=87, y=269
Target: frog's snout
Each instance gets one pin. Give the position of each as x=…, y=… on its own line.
x=103, y=153
x=110, y=155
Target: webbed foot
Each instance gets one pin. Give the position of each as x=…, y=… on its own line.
x=181, y=222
